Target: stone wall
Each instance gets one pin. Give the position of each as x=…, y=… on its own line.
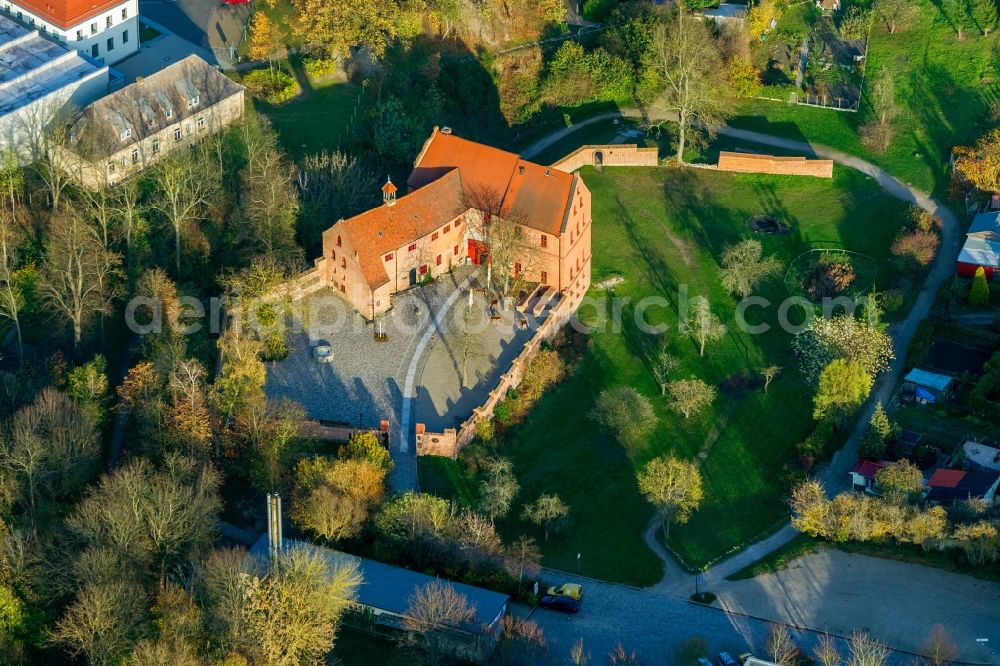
x=450, y=442
x=338, y=433
x=785, y=166
x=624, y=154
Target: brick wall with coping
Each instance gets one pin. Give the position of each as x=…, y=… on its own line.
x=785, y=166
x=620, y=154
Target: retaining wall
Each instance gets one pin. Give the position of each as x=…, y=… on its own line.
x=619, y=154
x=785, y=166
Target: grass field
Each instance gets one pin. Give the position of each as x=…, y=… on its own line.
x=944, y=89
x=660, y=229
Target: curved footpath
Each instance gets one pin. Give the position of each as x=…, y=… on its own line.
x=831, y=590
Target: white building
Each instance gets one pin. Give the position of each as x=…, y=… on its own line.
x=39, y=80
x=106, y=30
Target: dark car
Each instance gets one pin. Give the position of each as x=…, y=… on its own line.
x=559, y=603
x=725, y=659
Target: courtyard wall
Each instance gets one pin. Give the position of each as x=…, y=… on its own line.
x=621, y=154
x=785, y=166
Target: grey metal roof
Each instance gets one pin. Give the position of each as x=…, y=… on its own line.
x=931, y=380
x=986, y=223
x=388, y=588
x=980, y=252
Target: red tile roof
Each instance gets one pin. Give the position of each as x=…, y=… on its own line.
x=869, y=468
x=383, y=229
x=67, y=13
x=946, y=478
x=536, y=195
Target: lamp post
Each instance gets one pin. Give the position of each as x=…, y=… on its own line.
x=578, y=562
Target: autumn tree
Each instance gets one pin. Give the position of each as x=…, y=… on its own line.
x=701, y=324
x=980, y=541
x=673, y=486
x=689, y=79
x=292, y=614
x=744, y=267
x=498, y=488
x=863, y=650
x=899, y=481
x=334, y=497
x=548, y=511
x=843, y=387
x=662, y=364
x=186, y=183
x=690, y=396
x=432, y=611
x=102, y=622
x=187, y=415
x=519, y=641
x=266, y=38
x=239, y=386
x=980, y=164
x=77, y=279
x=759, y=18
x=625, y=414
x=331, y=28
x=366, y=445
x=939, y=648
x=268, y=429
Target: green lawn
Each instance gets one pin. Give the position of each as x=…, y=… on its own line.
x=944, y=89
x=662, y=228
x=324, y=118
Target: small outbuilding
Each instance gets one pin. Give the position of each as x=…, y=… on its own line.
x=948, y=486
x=863, y=474
x=925, y=387
x=727, y=13
x=978, y=455
x=982, y=247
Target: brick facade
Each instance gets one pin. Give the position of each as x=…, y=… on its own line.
x=625, y=154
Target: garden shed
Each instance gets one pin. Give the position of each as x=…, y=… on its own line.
x=927, y=387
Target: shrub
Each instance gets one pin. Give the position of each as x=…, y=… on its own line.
x=275, y=348
x=979, y=294
x=274, y=86
x=915, y=250
x=318, y=68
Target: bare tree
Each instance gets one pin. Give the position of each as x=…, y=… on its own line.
x=826, y=651
x=523, y=558
x=185, y=187
x=511, y=254
x=432, y=612
x=781, y=648
x=866, y=651
x=702, y=325
x=549, y=511
x=663, y=364
x=690, y=77
x=48, y=132
x=103, y=622
x=769, y=373
x=498, y=488
x=690, y=396
x=79, y=273
x=939, y=648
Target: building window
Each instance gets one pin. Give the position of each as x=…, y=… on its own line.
x=188, y=128
x=194, y=101
x=156, y=146
x=123, y=160
x=177, y=134
x=423, y=269
x=544, y=278
x=135, y=155
x=437, y=261
x=434, y=236
x=517, y=268
x=201, y=123
x=338, y=242
x=79, y=35
x=545, y=240
x=111, y=43
x=107, y=21
x=125, y=134
x=111, y=167
x=169, y=112
x=333, y=254
x=95, y=51
x=343, y=289
x=412, y=248
x=343, y=263
x=124, y=13
x=458, y=223
x=124, y=36
x=388, y=257
x=93, y=28
x=447, y=228
x=456, y=251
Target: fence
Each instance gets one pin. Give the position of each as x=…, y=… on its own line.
x=622, y=154
x=786, y=166
x=451, y=441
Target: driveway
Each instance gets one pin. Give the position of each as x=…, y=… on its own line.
x=208, y=24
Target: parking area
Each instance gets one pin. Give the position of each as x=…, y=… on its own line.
x=207, y=24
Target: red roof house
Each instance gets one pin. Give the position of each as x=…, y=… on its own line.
x=863, y=474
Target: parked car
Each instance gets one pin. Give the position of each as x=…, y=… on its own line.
x=567, y=590
x=725, y=659
x=559, y=603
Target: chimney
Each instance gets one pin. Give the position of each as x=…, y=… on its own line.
x=389, y=193
x=520, y=170
x=445, y=130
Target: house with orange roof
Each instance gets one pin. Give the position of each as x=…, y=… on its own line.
x=457, y=191
x=105, y=30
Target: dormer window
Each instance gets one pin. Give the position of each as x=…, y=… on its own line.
x=125, y=134
x=194, y=101
x=169, y=113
